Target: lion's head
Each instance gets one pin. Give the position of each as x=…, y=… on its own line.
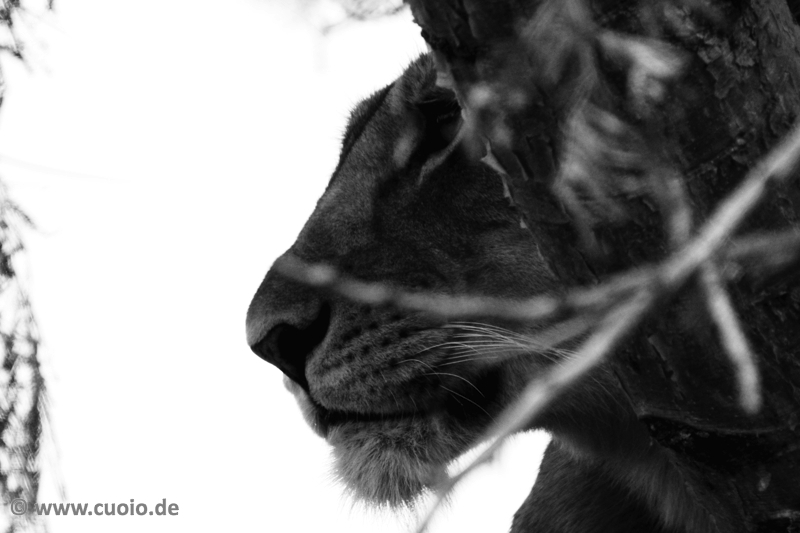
x=399, y=395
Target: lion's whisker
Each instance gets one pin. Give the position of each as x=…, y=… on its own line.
x=489, y=329
x=468, y=382
x=470, y=401
x=467, y=360
x=417, y=361
x=440, y=345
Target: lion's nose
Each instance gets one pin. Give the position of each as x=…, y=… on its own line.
x=285, y=322
x=288, y=347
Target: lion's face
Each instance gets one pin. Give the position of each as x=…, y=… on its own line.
x=399, y=395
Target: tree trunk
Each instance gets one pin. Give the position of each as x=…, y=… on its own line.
x=738, y=95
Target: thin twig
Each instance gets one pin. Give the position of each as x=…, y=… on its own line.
x=765, y=253
x=528, y=310
x=733, y=339
x=755, y=249
x=777, y=166
x=734, y=342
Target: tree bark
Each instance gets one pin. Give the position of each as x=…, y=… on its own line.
x=738, y=95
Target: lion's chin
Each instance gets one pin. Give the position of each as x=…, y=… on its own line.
x=392, y=463
x=391, y=460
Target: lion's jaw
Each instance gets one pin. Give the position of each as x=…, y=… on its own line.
x=395, y=422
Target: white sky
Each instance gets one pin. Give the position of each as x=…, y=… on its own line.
x=204, y=131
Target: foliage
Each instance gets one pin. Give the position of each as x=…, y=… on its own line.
x=370, y=9
x=337, y=13
x=22, y=391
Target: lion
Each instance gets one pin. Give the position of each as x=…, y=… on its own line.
x=399, y=395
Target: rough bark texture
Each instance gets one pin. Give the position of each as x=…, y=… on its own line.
x=739, y=95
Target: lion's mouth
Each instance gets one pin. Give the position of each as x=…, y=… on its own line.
x=461, y=407
x=324, y=419
x=340, y=417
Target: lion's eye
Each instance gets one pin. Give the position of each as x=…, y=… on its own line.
x=432, y=125
x=442, y=123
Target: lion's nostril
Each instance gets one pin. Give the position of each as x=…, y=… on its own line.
x=288, y=347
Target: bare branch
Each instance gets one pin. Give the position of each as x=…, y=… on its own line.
x=776, y=167
x=679, y=223
x=733, y=339
x=458, y=306
x=765, y=254
x=758, y=251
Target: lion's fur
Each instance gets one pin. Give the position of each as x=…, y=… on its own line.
x=400, y=395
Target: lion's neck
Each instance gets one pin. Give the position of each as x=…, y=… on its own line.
x=597, y=425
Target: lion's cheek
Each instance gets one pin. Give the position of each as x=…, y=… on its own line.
x=393, y=462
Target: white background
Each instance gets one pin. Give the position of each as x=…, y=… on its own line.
x=169, y=151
